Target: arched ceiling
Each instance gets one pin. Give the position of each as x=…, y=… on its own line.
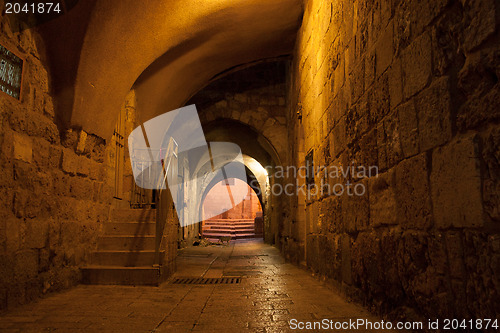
x=250, y=142
x=169, y=49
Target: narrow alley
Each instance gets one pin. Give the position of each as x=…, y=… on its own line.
x=270, y=294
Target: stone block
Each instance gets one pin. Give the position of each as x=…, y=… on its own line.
x=412, y=259
x=491, y=180
x=82, y=188
x=48, y=108
x=388, y=142
x=83, y=166
x=395, y=75
x=437, y=253
x=417, y=65
x=356, y=122
x=38, y=233
x=379, y=103
x=338, y=138
x=338, y=77
x=384, y=49
x=41, y=151
x=82, y=139
x=357, y=83
x=242, y=98
x=245, y=116
x=54, y=233
x=434, y=119
x=26, y=265
x=413, y=193
x=481, y=21
x=221, y=104
x=356, y=210
x=19, y=203
x=235, y=115
x=60, y=183
x=382, y=199
x=478, y=82
x=35, y=124
x=312, y=256
x=22, y=147
x=96, y=170
x=456, y=184
x=12, y=233
x=55, y=153
x=455, y=252
x=370, y=65
x=346, y=270
x=365, y=152
x=70, y=161
x=408, y=129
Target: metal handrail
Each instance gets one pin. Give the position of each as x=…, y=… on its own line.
x=171, y=152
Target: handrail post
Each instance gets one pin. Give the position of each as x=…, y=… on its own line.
x=161, y=220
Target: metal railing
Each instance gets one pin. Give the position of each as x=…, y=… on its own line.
x=163, y=199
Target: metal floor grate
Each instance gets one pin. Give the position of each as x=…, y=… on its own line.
x=198, y=280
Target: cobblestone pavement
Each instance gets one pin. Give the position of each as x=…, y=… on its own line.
x=271, y=293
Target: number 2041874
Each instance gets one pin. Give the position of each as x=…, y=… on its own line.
x=32, y=8
x=473, y=324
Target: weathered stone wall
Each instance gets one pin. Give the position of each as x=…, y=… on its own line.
x=254, y=96
x=218, y=197
x=412, y=88
x=54, y=191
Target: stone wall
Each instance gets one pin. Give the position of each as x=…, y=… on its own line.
x=254, y=96
x=54, y=190
x=410, y=87
x=218, y=198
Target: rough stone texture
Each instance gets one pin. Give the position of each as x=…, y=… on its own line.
x=413, y=193
x=383, y=206
x=421, y=102
x=417, y=68
x=456, y=192
x=254, y=96
x=408, y=129
x=51, y=212
x=433, y=110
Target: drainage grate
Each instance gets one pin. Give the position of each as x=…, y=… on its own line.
x=224, y=280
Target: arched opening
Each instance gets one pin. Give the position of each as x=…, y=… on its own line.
x=238, y=219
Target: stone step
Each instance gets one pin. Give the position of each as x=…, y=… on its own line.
x=130, y=228
x=229, y=226
x=229, y=231
x=228, y=219
x=239, y=236
x=144, y=276
x=133, y=215
x=126, y=243
x=125, y=258
x=227, y=223
x=235, y=227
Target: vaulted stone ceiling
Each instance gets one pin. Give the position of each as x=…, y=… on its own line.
x=167, y=50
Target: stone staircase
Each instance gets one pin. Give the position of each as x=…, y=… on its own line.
x=234, y=228
x=125, y=253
